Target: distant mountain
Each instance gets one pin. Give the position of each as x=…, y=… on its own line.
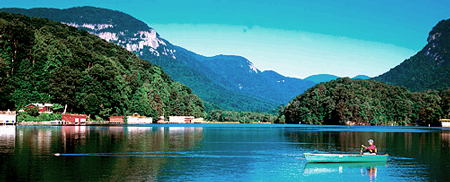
x=222, y=82
x=327, y=77
x=429, y=68
x=362, y=77
x=238, y=74
x=321, y=78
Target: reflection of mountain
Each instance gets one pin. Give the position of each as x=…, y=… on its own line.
x=7, y=139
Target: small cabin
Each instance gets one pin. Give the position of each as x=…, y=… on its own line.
x=8, y=117
x=197, y=120
x=116, y=120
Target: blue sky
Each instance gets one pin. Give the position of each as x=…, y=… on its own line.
x=294, y=38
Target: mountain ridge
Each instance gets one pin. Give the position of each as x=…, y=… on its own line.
x=182, y=65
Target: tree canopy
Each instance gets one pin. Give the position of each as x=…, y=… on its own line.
x=367, y=102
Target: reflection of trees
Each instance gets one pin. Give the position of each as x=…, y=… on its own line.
x=143, y=141
x=7, y=139
x=403, y=143
x=124, y=148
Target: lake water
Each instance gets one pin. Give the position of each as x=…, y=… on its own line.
x=218, y=152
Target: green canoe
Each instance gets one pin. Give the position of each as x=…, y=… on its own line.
x=344, y=158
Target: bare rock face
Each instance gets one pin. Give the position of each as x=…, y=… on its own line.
x=133, y=41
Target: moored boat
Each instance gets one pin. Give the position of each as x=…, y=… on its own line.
x=344, y=158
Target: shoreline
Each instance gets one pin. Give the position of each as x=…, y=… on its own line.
x=94, y=123
x=107, y=123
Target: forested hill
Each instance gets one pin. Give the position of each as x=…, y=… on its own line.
x=367, y=102
x=238, y=87
x=46, y=61
x=429, y=68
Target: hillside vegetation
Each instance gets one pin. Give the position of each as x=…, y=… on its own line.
x=46, y=61
x=213, y=93
x=367, y=102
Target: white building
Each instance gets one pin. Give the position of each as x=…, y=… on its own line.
x=136, y=119
x=8, y=117
x=180, y=119
x=445, y=122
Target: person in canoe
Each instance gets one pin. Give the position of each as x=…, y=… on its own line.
x=371, y=149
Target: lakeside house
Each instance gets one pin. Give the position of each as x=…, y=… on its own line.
x=137, y=119
x=77, y=119
x=8, y=117
x=43, y=107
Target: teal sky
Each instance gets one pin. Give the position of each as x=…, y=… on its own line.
x=294, y=38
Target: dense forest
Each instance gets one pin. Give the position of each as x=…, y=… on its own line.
x=367, y=102
x=45, y=61
x=429, y=68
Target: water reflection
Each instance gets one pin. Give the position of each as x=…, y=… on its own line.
x=413, y=151
x=7, y=138
x=364, y=169
x=337, y=142
x=211, y=153
x=84, y=139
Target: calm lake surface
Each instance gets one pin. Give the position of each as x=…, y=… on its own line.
x=218, y=152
